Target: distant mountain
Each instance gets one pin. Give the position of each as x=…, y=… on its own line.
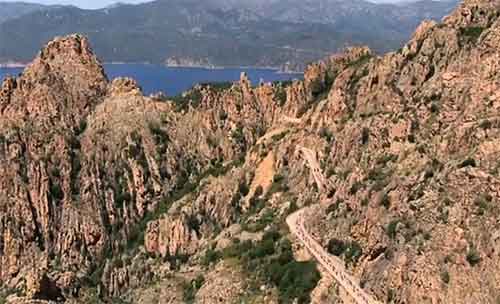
x=222, y=32
x=11, y=10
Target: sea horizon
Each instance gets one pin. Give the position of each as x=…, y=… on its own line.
x=171, y=81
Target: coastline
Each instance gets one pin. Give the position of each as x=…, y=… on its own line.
x=278, y=70
x=269, y=68
x=12, y=65
x=208, y=67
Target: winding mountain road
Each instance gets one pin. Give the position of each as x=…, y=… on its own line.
x=333, y=265
x=24, y=300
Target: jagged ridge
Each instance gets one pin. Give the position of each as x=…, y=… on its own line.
x=408, y=143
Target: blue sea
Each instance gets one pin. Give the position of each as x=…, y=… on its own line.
x=173, y=81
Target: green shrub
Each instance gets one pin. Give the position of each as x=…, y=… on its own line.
x=429, y=173
x=473, y=257
x=469, y=162
x=193, y=97
x=5, y=293
x=266, y=219
x=55, y=172
x=331, y=193
x=334, y=207
x=256, y=205
x=76, y=167
x=120, y=190
x=259, y=191
x=336, y=247
x=74, y=143
x=355, y=188
x=279, y=137
x=360, y=61
x=386, y=158
x=326, y=134
x=223, y=115
x=392, y=228
x=81, y=128
x=271, y=260
x=262, y=249
x=184, y=187
x=471, y=34
x=353, y=252
x=238, y=136
x=330, y=172
x=95, y=278
x=365, y=202
x=321, y=88
x=272, y=235
x=216, y=170
x=278, y=178
x=482, y=204
x=292, y=208
x=117, y=300
x=434, y=107
x=391, y=294
x=296, y=282
x=365, y=135
x=191, y=288
x=56, y=192
x=280, y=92
x=219, y=86
x=377, y=174
x=283, y=83
x=243, y=189
x=160, y=136
x=317, y=87
x=389, y=253
x=445, y=277
x=237, y=249
x=193, y=223
x=486, y=124
x=385, y=201
x=356, y=78
x=278, y=185
x=176, y=260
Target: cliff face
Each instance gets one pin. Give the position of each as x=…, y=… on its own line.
x=86, y=163
x=415, y=162
x=41, y=113
x=105, y=192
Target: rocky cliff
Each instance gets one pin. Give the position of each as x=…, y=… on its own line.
x=107, y=195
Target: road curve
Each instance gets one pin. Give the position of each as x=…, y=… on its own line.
x=333, y=265
x=25, y=300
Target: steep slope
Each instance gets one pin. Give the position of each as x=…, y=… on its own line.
x=86, y=163
x=222, y=33
x=107, y=195
x=414, y=165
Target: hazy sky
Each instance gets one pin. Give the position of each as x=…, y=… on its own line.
x=80, y=3
x=103, y=3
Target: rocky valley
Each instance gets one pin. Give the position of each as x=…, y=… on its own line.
x=110, y=196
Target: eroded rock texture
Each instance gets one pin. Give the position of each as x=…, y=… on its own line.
x=101, y=186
